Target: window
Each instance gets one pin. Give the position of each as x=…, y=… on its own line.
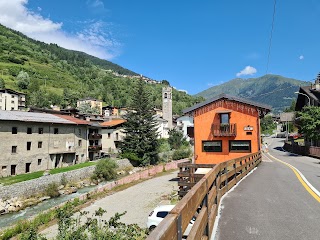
x=39, y=144
x=12, y=96
x=162, y=214
x=212, y=146
x=14, y=149
x=109, y=135
x=240, y=146
x=12, y=101
x=224, y=118
x=28, y=167
x=79, y=143
x=40, y=130
x=117, y=136
x=249, y=133
x=29, y=130
x=39, y=162
x=55, y=130
x=4, y=168
x=12, y=108
x=28, y=146
x=14, y=130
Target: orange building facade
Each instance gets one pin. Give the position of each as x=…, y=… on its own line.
x=225, y=128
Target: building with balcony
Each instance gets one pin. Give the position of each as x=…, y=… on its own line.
x=226, y=127
x=40, y=141
x=112, y=135
x=12, y=100
x=183, y=123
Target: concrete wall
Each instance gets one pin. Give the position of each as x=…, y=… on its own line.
x=47, y=149
x=108, y=143
x=36, y=186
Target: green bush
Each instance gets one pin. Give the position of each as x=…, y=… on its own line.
x=106, y=169
x=52, y=190
x=181, y=153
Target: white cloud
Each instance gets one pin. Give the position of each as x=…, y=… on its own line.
x=301, y=57
x=248, y=70
x=94, y=39
x=95, y=3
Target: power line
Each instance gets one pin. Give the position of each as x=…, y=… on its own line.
x=271, y=34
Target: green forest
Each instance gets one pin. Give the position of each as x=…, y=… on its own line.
x=51, y=75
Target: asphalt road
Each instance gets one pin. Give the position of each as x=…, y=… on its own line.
x=271, y=203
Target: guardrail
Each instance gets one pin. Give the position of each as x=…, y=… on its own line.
x=203, y=200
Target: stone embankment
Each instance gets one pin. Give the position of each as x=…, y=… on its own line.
x=24, y=194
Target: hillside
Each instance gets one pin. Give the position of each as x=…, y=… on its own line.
x=58, y=76
x=274, y=90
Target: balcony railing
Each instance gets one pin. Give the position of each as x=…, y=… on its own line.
x=224, y=130
x=94, y=136
x=95, y=148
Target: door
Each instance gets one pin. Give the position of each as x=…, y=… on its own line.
x=13, y=169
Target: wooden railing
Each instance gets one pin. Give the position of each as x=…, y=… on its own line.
x=224, y=130
x=314, y=151
x=203, y=199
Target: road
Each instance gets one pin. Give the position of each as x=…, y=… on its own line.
x=138, y=200
x=272, y=203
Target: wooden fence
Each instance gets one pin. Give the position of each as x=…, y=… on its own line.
x=203, y=199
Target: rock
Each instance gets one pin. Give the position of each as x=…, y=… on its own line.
x=73, y=189
x=3, y=211
x=44, y=198
x=46, y=173
x=61, y=187
x=62, y=192
x=11, y=209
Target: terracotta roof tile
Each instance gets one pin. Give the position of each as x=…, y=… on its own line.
x=73, y=119
x=112, y=123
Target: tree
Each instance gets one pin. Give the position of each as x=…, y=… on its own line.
x=310, y=122
x=176, y=139
x=292, y=106
x=267, y=125
x=140, y=144
x=2, y=84
x=23, y=80
x=87, y=109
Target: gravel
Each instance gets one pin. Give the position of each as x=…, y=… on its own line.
x=138, y=200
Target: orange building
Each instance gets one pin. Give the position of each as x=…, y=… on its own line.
x=225, y=128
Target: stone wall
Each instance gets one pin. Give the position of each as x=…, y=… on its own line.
x=35, y=186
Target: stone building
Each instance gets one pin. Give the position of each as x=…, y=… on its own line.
x=12, y=100
x=39, y=141
x=167, y=105
x=112, y=134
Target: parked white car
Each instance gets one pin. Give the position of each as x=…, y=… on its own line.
x=159, y=213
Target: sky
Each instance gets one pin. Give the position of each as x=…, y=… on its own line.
x=192, y=44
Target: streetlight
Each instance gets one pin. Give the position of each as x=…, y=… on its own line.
x=306, y=96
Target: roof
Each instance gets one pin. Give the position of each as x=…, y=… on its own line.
x=311, y=94
x=287, y=116
x=32, y=117
x=73, y=119
x=11, y=91
x=229, y=97
x=112, y=123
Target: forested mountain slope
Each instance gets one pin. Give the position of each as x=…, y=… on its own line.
x=273, y=90
x=57, y=76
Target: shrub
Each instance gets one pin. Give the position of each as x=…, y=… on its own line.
x=181, y=153
x=106, y=169
x=52, y=190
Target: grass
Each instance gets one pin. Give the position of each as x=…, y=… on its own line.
x=73, y=167
x=29, y=176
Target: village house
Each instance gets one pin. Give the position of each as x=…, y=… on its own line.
x=38, y=141
x=112, y=134
x=226, y=127
x=183, y=123
x=12, y=100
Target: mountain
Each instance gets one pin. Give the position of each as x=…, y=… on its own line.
x=273, y=90
x=51, y=75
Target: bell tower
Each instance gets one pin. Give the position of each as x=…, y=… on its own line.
x=167, y=105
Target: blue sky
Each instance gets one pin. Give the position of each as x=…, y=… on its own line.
x=192, y=44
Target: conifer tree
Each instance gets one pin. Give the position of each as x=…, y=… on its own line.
x=140, y=143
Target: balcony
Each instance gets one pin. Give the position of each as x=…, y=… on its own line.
x=224, y=130
x=94, y=136
x=94, y=148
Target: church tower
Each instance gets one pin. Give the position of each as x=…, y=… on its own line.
x=167, y=105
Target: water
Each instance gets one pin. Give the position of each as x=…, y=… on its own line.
x=10, y=218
